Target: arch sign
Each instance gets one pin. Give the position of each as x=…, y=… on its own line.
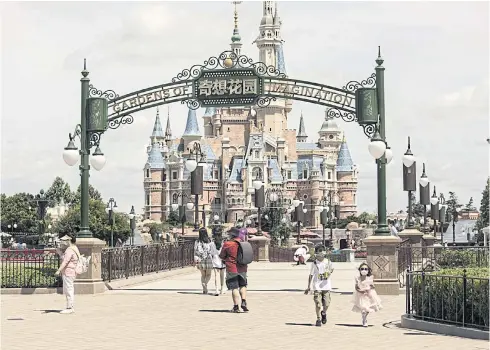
x=232, y=80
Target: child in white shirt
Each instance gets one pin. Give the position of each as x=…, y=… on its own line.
x=320, y=272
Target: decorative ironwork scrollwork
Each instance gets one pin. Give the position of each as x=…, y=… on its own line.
x=192, y=103
x=118, y=121
x=108, y=94
x=337, y=113
x=353, y=85
x=94, y=138
x=228, y=60
x=264, y=101
x=369, y=130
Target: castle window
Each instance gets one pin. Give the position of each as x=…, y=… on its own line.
x=175, y=198
x=228, y=129
x=329, y=175
x=217, y=201
x=164, y=176
x=233, y=201
x=256, y=154
x=290, y=174
x=147, y=199
x=270, y=129
x=236, y=216
x=174, y=175
x=216, y=175
x=147, y=172
x=354, y=198
x=305, y=174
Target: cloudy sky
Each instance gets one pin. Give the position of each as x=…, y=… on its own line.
x=436, y=58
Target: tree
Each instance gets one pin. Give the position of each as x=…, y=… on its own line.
x=417, y=207
x=365, y=217
x=93, y=194
x=59, y=192
x=452, y=204
x=15, y=210
x=483, y=219
x=280, y=233
x=173, y=219
x=98, y=222
x=470, y=207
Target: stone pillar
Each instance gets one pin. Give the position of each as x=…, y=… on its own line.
x=428, y=240
x=382, y=257
x=91, y=282
x=263, y=243
x=413, y=234
x=349, y=254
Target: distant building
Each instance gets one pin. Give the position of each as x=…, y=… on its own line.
x=241, y=143
x=469, y=215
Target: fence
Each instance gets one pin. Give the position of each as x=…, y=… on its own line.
x=124, y=262
x=456, y=300
x=433, y=258
x=29, y=268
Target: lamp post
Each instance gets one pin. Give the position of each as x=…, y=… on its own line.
x=434, y=209
x=329, y=211
x=92, y=125
x=299, y=212
x=42, y=203
x=182, y=208
x=110, y=208
x=259, y=201
x=196, y=168
x=442, y=215
x=12, y=227
x=455, y=217
x=424, y=193
x=132, y=224
x=274, y=196
x=409, y=179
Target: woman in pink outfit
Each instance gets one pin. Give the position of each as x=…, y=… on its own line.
x=69, y=254
x=365, y=299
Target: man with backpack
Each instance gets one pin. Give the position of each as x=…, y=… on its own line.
x=237, y=254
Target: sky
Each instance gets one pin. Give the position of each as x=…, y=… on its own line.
x=436, y=82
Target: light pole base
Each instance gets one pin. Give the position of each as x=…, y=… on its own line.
x=414, y=235
x=382, y=230
x=85, y=234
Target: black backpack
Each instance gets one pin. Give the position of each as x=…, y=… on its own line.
x=245, y=253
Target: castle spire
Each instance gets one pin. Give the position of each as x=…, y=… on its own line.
x=236, y=44
x=191, y=126
x=302, y=136
x=157, y=127
x=168, y=130
x=344, y=160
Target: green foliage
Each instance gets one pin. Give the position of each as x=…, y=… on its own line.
x=25, y=276
x=98, y=222
x=483, y=219
x=173, y=219
x=59, y=192
x=157, y=228
x=417, y=208
x=92, y=194
x=452, y=204
x=280, y=233
x=15, y=210
x=365, y=217
x=470, y=206
x=467, y=257
x=442, y=297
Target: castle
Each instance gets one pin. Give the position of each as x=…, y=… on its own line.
x=241, y=143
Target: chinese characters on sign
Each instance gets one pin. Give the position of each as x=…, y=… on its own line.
x=223, y=87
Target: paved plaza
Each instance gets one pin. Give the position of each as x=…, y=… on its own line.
x=173, y=312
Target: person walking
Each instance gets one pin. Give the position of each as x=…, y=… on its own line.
x=218, y=264
x=236, y=274
x=203, y=258
x=70, y=255
x=320, y=272
x=365, y=298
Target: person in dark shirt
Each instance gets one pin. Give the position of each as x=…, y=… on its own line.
x=236, y=274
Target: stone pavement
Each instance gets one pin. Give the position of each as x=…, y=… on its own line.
x=173, y=312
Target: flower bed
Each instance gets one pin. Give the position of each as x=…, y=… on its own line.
x=360, y=254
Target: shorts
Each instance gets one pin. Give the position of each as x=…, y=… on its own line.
x=236, y=280
x=322, y=298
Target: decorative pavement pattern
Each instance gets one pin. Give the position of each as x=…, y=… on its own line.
x=173, y=312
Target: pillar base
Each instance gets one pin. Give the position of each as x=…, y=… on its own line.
x=263, y=243
x=349, y=254
x=428, y=240
x=414, y=235
x=382, y=257
x=91, y=282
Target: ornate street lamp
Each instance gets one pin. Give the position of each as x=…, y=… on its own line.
x=93, y=123
x=434, y=209
x=299, y=212
x=409, y=180
x=111, y=208
x=195, y=165
x=455, y=217
x=424, y=193
x=328, y=211
x=182, y=208
x=132, y=224
x=442, y=215
x=12, y=227
x=259, y=201
x=42, y=203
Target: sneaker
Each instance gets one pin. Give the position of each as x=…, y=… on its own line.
x=324, y=317
x=235, y=309
x=67, y=311
x=244, y=306
x=364, y=320
x=318, y=323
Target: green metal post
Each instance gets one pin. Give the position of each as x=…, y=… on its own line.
x=382, y=229
x=84, y=153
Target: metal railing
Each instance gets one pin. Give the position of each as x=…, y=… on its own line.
x=434, y=258
x=456, y=300
x=280, y=254
x=29, y=268
x=124, y=262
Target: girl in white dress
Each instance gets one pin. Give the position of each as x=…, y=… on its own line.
x=218, y=264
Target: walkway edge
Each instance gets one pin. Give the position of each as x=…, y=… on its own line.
x=148, y=278
x=408, y=321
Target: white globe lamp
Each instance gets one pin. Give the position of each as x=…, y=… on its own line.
x=388, y=155
x=175, y=206
x=191, y=165
x=70, y=154
x=97, y=159
x=377, y=146
x=190, y=205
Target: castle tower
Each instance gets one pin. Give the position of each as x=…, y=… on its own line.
x=191, y=132
x=154, y=176
x=168, y=131
x=302, y=136
x=330, y=134
x=236, y=45
x=346, y=181
x=157, y=135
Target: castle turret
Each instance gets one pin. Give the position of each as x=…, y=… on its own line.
x=191, y=132
x=302, y=136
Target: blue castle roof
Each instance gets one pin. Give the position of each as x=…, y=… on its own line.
x=344, y=161
x=155, y=158
x=191, y=127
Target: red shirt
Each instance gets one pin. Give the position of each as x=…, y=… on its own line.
x=229, y=253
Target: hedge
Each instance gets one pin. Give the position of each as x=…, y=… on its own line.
x=24, y=276
x=463, y=257
x=439, y=297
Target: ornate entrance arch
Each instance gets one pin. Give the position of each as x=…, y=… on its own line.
x=231, y=80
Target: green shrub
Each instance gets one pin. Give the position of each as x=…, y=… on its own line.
x=463, y=258
x=22, y=276
x=439, y=296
